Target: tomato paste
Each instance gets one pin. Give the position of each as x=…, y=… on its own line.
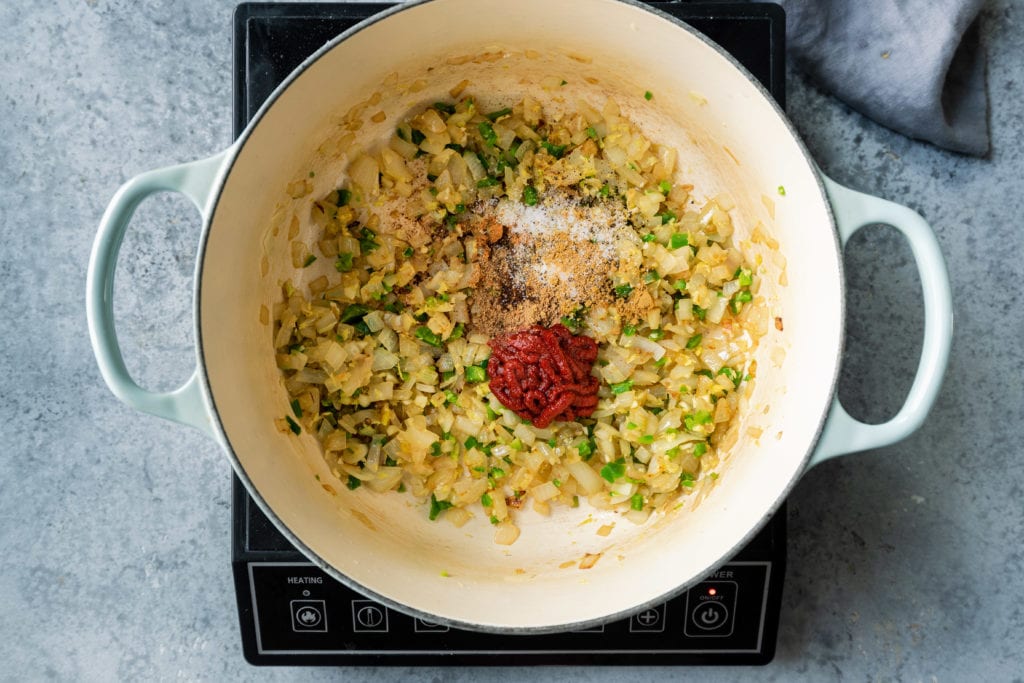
x=543, y=374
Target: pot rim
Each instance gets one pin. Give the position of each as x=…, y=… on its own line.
x=313, y=556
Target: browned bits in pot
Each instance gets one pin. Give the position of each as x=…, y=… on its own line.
x=778, y=323
x=457, y=90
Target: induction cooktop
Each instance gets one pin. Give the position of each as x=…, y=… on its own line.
x=292, y=613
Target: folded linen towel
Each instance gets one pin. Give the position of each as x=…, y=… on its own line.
x=915, y=66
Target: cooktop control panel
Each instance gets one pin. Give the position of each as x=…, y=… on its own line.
x=297, y=610
x=291, y=612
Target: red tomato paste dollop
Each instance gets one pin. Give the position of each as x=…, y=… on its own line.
x=543, y=374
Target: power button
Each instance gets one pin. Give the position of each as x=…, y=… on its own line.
x=710, y=608
x=710, y=616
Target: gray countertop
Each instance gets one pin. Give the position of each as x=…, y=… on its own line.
x=904, y=563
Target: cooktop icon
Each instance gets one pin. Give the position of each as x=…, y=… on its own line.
x=651, y=620
x=424, y=626
x=710, y=615
x=309, y=616
x=710, y=608
x=369, y=617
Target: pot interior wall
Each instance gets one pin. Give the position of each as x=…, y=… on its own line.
x=729, y=139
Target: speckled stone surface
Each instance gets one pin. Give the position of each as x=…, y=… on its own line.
x=904, y=564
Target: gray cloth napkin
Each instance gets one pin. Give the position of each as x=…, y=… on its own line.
x=915, y=66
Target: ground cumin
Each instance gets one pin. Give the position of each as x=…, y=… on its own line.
x=538, y=264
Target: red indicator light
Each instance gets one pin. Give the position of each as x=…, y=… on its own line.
x=712, y=591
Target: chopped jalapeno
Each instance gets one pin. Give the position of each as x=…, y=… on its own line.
x=437, y=506
x=344, y=262
x=614, y=470
x=586, y=450
x=554, y=150
x=487, y=133
x=701, y=417
x=425, y=334
x=366, y=241
x=476, y=374
x=530, y=195
x=733, y=375
x=621, y=387
x=353, y=312
x=679, y=239
x=495, y=115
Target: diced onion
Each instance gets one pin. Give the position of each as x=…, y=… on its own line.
x=379, y=345
x=365, y=173
x=651, y=347
x=585, y=476
x=545, y=491
x=506, y=534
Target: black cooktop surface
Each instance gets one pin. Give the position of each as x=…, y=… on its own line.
x=290, y=612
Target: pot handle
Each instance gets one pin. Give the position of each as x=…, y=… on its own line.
x=854, y=210
x=196, y=181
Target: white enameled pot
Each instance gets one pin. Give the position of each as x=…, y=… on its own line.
x=731, y=138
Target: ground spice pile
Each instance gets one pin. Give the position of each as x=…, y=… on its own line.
x=547, y=261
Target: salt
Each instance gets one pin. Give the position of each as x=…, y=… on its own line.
x=599, y=223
